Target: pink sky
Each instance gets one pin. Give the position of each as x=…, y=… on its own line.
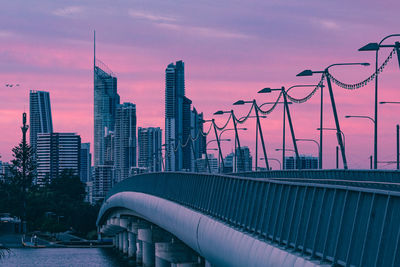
x=231, y=49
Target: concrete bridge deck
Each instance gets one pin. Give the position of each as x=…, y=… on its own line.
x=347, y=220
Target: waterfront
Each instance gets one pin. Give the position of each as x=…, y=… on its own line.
x=62, y=257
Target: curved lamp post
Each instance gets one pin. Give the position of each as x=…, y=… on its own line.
x=397, y=136
x=362, y=117
x=318, y=146
x=220, y=112
x=219, y=137
x=273, y=159
x=258, y=129
x=286, y=111
x=328, y=80
x=214, y=140
x=375, y=47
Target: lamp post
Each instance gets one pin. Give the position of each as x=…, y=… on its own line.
x=328, y=81
x=397, y=136
x=219, y=137
x=220, y=112
x=321, y=125
x=361, y=117
x=283, y=128
x=375, y=47
x=287, y=112
x=258, y=129
x=277, y=160
x=214, y=140
x=318, y=146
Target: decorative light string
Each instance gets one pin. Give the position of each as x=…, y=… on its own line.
x=363, y=83
x=306, y=98
x=226, y=124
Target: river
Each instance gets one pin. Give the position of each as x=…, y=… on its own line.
x=60, y=257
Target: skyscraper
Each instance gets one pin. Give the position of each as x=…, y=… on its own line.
x=85, y=163
x=149, y=140
x=177, y=107
x=57, y=152
x=245, y=164
x=199, y=145
x=124, y=140
x=39, y=115
x=106, y=100
x=186, y=153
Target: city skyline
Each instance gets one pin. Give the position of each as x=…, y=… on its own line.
x=244, y=60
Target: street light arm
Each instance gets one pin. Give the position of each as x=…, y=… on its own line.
x=347, y=64
x=363, y=117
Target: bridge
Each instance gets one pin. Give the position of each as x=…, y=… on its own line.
x=274, y=218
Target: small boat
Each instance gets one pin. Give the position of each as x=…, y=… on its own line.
x=33, y=243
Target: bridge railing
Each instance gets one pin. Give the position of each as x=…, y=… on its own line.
x=333, y=223
x=390, y=176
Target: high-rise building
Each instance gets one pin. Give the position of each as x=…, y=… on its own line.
x=150, y=154
x=199, y=143
x=102, y=181
x=85, y=163
x=186, y=153
x=207, y=164
x=228, y=163
x=304, y=162
x=39, y=115
x=106, y=100
x=246, y=164
x=57, y=152
x=177, y=118
x=124, y=140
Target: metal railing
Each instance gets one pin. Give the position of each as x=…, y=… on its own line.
x=333, y=223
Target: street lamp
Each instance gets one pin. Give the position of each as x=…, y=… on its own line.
x=375, y=47
x=397, y=136
x=362, y=117
x=277, y=160
x=220, y=112
x=258, y=129
x=286, y=111
x=328, y=80
x=225, y=130
x=318, y=146
x=214, y=140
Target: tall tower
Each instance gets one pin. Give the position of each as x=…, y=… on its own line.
x=150, y=156
x=124, y=140
x=174, y=113
x=57, y=152
x=39, y=115
x=106, y=100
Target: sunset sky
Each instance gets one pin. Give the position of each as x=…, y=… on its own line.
x=231, y=49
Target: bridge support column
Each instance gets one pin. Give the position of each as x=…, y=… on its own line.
x=116, y=241
x=125, y=242
x=177, y=254
x=138, y=246
x=120, y=243
x=149, y=237
x=131, y=245
x=162, y=263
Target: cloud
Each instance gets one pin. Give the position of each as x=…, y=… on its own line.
x=326, y=24
x=148, y=16
x=68, y=11
x=204, y=31
x=6, y=34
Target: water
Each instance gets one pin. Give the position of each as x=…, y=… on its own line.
x=62, y=257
